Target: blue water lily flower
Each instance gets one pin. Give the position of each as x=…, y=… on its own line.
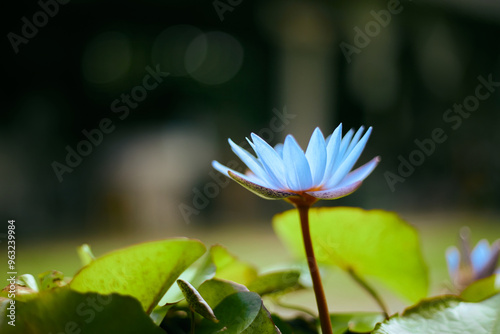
x=323, y=171
x=468, y=266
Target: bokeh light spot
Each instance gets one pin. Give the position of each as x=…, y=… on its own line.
x=214, y=58
x=170, y=47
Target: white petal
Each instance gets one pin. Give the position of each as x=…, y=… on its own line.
x=271, y=161
x=297, y=170
x=253, y=164
x=332, y=150
x=346, y=165
x=354, y=140
x=360, y=173
x=316, y=156
x=279, y=149
x=343, y=148
x=224, y=170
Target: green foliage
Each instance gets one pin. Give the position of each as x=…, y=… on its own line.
x=62, y=310
x=446, y=315
x=230, y=268
x=276, y=282
x=374, y=244
x=200, y=271
x=51, y=279
x=196, y=302
x=131, y=290
x=215, y=290
x=360, y=322
x=241, y=312
x=482, y=289
x=143, y=271
x=85, y=254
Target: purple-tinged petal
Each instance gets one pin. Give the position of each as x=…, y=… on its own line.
x=271, y=161
x=480, y=255
x=316, y=156
x=252, y=163
x=490, y=266
x=465, y=249
x=297, y=170
x=361, y=173
x=335, y=192
x=349, y=161
x=259, y=190
x=453, y=261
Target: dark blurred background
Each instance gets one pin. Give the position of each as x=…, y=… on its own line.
x=228, y=68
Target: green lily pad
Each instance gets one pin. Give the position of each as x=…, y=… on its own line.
x=276, y=282
x=200, y=271
x=144, y=271
x=62, y=310
x=241, y=312
x=215, y=290
x=446, y=315
x=230, y=268
x=360, y=322
x=482, y=289
x=374, y=244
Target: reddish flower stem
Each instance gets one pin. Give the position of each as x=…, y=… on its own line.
x=324, y=316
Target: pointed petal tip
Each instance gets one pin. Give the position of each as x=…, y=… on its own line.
x=253, y=135
x=216, y=164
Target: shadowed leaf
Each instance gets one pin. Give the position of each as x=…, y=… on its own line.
x=241, y=312
x=62, y=310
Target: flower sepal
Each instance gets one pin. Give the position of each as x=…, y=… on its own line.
x=261, y=191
